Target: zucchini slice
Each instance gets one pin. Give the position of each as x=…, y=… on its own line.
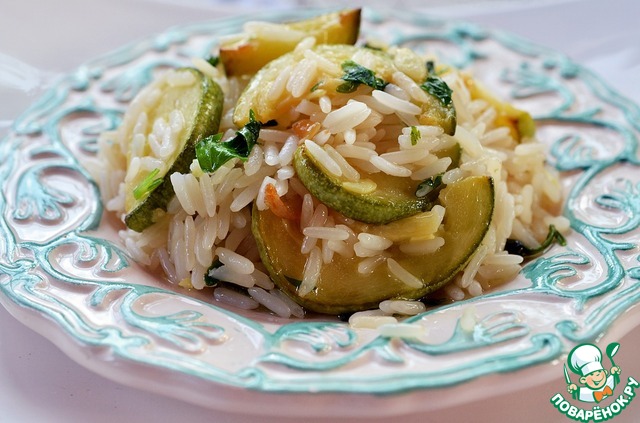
x=199, y=100
x=261, y=44
x=520, y=123
x=393, y=197
x=258, y=95
x=341, y=288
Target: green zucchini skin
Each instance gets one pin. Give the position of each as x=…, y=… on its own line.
x=380, y=207
x=205, y=123
x=341, y=288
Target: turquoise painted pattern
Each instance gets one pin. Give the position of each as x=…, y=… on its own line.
x=321, y=356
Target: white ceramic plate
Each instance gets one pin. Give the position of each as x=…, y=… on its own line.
x=63, y=271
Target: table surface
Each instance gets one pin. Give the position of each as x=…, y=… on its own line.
x=40, y=40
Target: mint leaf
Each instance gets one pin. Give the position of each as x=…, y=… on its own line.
x=355, y=74
x=435, y=86
x=212, y=153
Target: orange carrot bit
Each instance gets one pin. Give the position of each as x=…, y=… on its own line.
x=306, y=128
x=278, y=207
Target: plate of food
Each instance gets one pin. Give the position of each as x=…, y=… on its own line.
x=324, y=204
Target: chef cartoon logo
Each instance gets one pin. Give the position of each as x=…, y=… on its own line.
x=596, y=382
x=585, y=360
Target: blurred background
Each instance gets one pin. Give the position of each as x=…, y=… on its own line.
x=40, y=39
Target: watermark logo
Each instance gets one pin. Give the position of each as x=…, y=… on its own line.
x=591, y=383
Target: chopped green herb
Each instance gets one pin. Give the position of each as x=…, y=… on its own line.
x=293, y=281
x=213, y=153
x=347, y=87
x=513, y=246
x=431, y=67
x=210, y=280
x=415, y=135
x=269, y=123
x=373, y=47
x=316, y=86
x=214, y=60
x=148, y=184
x=435, y=86
x=355, y=74
x=429, y=185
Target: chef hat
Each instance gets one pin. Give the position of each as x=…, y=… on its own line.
x=585, y=359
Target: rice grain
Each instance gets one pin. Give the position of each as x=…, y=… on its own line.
x=270, y=301
x=233, y=298
x=403, y=275
x=346, y=117
x=311, y=272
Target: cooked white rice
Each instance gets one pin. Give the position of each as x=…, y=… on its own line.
x=368, y=131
